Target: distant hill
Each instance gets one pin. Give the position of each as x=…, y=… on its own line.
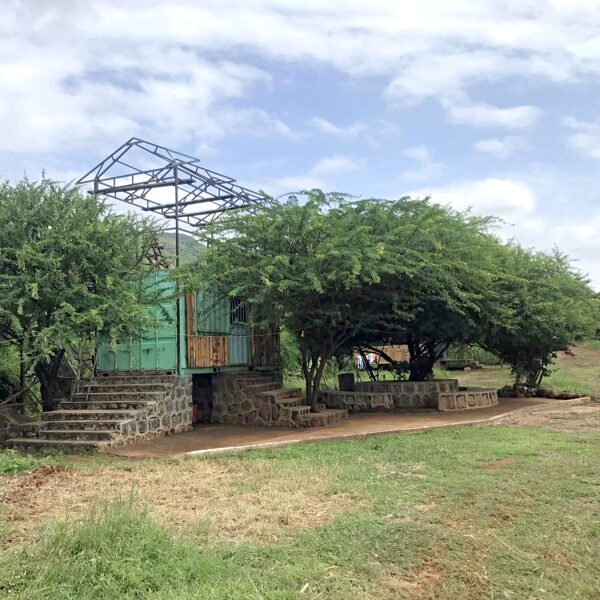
x=189, y=248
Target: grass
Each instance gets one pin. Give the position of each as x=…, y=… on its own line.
x=464, y=513
x=507, y=512
x=13, y=462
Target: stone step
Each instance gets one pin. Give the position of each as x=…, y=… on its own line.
x=244, y=380
x=101, y=387
x=249, y=374
x=107, y=404
x=39, y=445
x=84, y=424
x=262, y=387
x=78, y=434
x=282, y=393
x=85, y=414
x=325, y=417
x=301, y=409
x=117, y=396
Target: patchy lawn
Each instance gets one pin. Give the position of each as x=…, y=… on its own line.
x=577, y=373
x=490, y=512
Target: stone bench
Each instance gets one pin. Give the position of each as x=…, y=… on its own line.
x=466, y=398
x=357, y=401
x=410, y=394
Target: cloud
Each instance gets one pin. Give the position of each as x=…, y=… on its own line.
x=462, y=110
x=500, y=147
x=80, y=72
x=428, y=168
x=320, y=175
x=504, y=198
x=584, y=136
x=352, y=130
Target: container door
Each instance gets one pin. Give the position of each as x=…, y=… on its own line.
x=156, y=348
x=239, y=341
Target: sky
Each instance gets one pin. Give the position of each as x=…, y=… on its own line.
x=483, y=105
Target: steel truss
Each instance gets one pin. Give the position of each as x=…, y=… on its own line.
x=195, y=187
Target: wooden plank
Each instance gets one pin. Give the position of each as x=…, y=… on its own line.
x=208, y=351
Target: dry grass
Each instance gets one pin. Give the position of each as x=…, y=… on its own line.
x=570, y=419
x=219, y=500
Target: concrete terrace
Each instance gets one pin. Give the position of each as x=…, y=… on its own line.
x=207, y=439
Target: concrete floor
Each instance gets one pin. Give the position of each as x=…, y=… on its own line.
x=206, y=439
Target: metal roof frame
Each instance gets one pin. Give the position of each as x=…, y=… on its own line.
x=115, y=177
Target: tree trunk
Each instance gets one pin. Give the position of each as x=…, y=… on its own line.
x=421, y=362
x=47, y=373
x=317, y=384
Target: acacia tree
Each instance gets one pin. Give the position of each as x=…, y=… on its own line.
x=303, y=263
x=552, y=307
x=448, y=294
x=67, y=270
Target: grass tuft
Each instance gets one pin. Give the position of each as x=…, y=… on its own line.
x=11, y=462
x=115, y=552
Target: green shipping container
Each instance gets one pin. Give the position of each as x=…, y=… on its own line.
x=156, y=349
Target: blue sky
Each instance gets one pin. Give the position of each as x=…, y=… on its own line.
x=492, y=106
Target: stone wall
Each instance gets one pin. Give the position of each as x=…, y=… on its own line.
x=252, y=399
x=467, y=398
x=357, y=401
x=167, y=416
x=410, y=394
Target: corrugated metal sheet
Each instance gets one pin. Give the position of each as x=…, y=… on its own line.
x=212, y=314
x=156, y=350
x=239, y=346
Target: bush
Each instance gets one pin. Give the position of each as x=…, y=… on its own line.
x=12, y=462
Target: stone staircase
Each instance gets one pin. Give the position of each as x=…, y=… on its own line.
x=110, y=411
x=118, y=410
x=269, y=403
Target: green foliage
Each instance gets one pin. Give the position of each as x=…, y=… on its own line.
x=9, y=370
x=551, y=307
x=66, y=269
x=302, y=263
x=343, y=272
x=12, y=462
x=290, y=352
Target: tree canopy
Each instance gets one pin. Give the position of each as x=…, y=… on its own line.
x=338, y=272
x=67, y=270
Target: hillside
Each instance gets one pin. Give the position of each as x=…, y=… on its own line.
x=189, y=248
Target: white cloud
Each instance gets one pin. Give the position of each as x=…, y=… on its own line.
x=352, y=130
x=428, y=168
x=504, y=198
x=584, y=136
x=77, y=72
x=320, y=175
x=462, y=110
x=500, y=147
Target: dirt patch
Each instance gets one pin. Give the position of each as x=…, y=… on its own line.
x=570, y=419
x=424, y=581
x=501, y=463
x=215, y=500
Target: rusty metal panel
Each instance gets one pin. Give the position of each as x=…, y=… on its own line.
x=207, y=351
